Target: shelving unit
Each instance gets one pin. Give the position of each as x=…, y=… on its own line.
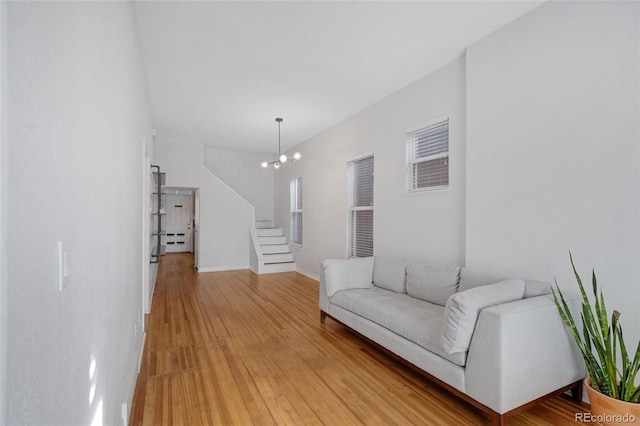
x=158, y=214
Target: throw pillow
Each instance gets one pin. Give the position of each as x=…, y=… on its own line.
x=462, y=310
x=432, y=283
x=389, y=273
x=343, y=274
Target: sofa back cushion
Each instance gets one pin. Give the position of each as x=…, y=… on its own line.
x=471, y=279
x=389, y=273
x=345, y=274
x=432, y=283
x=462, y=310
x=534, y=288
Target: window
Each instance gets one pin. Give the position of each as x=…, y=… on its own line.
x=296, y=210
x=360, y=204
x=428, y=156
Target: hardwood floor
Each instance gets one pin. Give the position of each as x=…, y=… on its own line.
x=236, y=348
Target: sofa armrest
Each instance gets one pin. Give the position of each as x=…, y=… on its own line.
x=521, y=351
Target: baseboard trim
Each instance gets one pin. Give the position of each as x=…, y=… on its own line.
x=133, y=379
x=309, y=274
x=223, y=268
x=304, y=272
x=141, y=353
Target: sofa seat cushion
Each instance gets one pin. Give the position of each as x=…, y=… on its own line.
x=413, y=319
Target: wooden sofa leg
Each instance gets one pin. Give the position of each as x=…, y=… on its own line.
x=323, y=316
x=498, y=419
x=576, y=391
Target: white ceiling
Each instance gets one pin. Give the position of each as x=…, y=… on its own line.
x=220, y=72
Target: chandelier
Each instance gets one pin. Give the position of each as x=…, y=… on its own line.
x=281, y=157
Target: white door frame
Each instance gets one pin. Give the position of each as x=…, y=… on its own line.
x=196, y=227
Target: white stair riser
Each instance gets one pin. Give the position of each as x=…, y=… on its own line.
x=277, y=267
x=260, y=224
x=276, y=248
x=277, y=258
x=270, y=232
x=272, y=240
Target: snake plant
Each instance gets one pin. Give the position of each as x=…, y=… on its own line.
x=611, y=372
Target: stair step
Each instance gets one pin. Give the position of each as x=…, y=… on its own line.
x=261, y=224
x=272, y=240
x=278, y=267
x=269, y=232
x=275, y=248
x=278, y=258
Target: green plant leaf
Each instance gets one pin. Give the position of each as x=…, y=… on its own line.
x=599, y=343
x=630, y=392
x=584, y=346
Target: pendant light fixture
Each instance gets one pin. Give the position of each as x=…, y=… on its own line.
x=281, y=157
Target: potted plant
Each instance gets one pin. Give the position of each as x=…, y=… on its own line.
x=612, y=372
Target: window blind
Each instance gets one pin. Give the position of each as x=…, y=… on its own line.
x=427, y=157
x=296, y=210
x=360, y=205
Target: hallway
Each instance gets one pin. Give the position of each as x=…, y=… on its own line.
x=235, y=348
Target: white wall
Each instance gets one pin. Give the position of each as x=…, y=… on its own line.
x=242, y=172
x=426, y=227
x=77, y=114
x=225, y=217
x=3, y=209
x=553, y=149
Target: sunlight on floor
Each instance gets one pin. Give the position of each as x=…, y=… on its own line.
x=97, y=416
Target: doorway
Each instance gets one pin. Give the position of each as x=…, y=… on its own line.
x=181, y=224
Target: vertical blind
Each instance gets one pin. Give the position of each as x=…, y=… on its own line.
x=296, y=210
x=360, y=204
x=428, y=156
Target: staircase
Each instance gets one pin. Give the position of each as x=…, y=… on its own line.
x=276, y=256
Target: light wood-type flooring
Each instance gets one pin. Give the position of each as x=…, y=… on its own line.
x=236, y=348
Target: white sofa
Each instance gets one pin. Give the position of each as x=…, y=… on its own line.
x=498, y=344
